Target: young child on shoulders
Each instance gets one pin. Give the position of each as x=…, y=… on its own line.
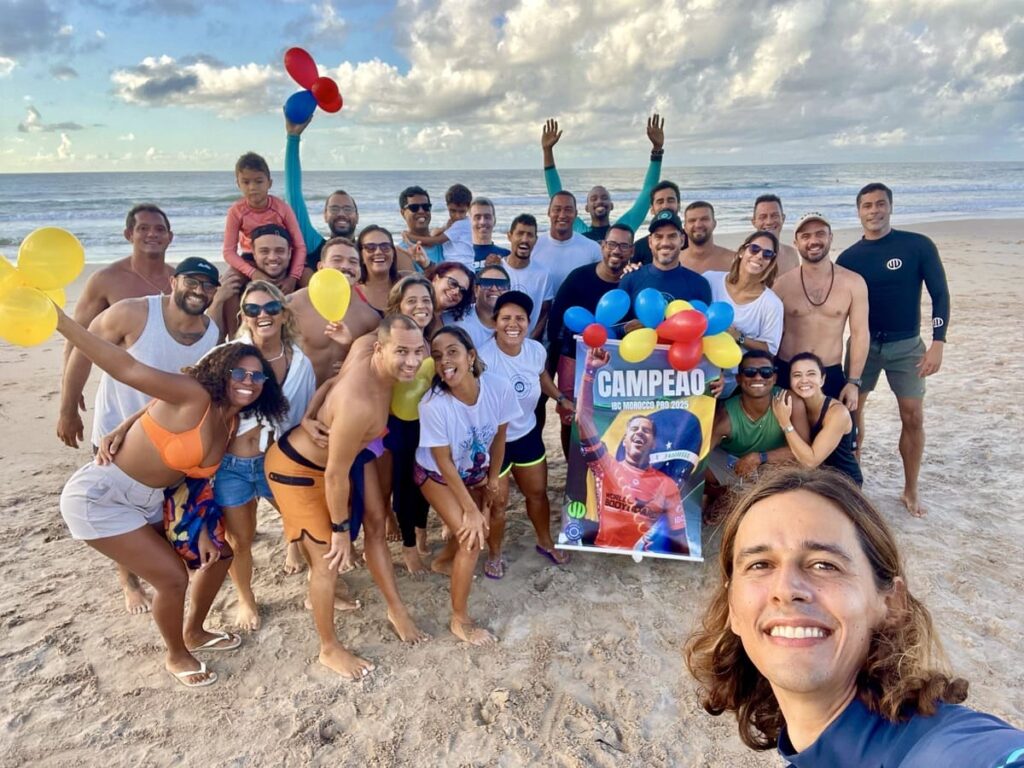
x=456, y=237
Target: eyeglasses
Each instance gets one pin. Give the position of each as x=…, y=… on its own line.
x=455, y=285
x=334, y=210
x=192, y=283
x=272, y=308
x=614, y=246
x=417, y=207
x=376, y=248
x=493, y=282
x=241, y=374
x=765, y=372
x=766, y=253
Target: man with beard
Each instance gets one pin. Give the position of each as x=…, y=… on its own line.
x=561, y=250
x=323, y=351
x=340, y=211
x=769, y=217
x=664, y=197
x=165, y=332
x=583, y=287
x=701, y=254
x=819, y=299
x=526, y=275
x=666, y=273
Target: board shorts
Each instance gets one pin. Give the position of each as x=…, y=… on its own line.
x=835, y=378
x=103, y=501
x=239, y=480
x=899, y=360
x=525, y=451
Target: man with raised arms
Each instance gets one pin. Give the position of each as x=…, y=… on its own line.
x=895, y=264
x=561, y=249
x=819, y=299
x=323, y=352
x=769, y=217
x=325, y=493
x=165, y=332
x=340, y=211
x=599, y=203
x=664, y=197
x=701, y=254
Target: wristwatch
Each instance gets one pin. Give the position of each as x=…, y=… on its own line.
x=789, y=429
x=857, y=382
x=741, y=338
x=763, y=456
x=341, y=527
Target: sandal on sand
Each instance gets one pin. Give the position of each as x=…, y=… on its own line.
x=552, y=555
x=232, y=640
x=182, y=677
x=495, y=569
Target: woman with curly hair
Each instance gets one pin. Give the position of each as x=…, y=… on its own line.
x=813, y=638
x=453, y=284
x=183, y=433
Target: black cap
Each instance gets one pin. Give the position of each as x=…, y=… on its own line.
x=270, y=229
x=518, y=298
x=194, y=265
x=665, y=217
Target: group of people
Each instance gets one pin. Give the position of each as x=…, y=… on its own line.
x=190, y=430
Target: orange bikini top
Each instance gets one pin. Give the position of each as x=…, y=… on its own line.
x=181, y=451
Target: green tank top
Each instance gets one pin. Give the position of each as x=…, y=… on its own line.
x=750, y=436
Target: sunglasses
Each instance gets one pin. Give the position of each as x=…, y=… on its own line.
x=766, y=253
x=454, y=285
x=493, y=282
x=272, y=308
x=417, y=207
x=241, y=374
x=375, y=247
x=765, y=372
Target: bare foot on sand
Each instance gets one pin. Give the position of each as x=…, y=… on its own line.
x=421, y=542
x=910, y=501
x=406, y=628
x=442, y=566
x=136, y=601
x=412, y=560
x=469, y=632
x=293, y=560
x=247, y=617
x=344, y=604
x=345, y=664
x=445, y=532
x=391, y=530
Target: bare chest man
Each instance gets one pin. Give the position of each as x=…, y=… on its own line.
x=817, y=307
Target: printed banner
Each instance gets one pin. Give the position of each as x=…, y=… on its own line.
x=636, y=461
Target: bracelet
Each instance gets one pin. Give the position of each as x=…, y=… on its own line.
x=657, y=153
x=763, y=456
x=342, y=527
x=789, y=429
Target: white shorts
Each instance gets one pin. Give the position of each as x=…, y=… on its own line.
x=100, y=502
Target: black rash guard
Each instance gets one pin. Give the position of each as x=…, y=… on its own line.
x=894, y=268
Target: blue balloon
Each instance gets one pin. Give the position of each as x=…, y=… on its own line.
x=612, y=307
x=300, y=107
x=577, y=318
x=699, y=305
x=649, y=307
x=720, y=316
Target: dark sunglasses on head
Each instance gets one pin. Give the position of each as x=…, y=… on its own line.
x=456, y=286
x=766, y=253
x=493, y=282
x=417, y=207
x=765, y=372
x=241, y=374
x=272, y=308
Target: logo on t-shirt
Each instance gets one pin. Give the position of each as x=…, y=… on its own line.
x=937, y=322
x=520, y=385
x=894, y=264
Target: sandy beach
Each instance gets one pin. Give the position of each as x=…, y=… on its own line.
x=589, y=671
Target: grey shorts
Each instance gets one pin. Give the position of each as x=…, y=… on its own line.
x=100, y=502
x=899, y=360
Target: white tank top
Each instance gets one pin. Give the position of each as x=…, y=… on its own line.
x=156, y=347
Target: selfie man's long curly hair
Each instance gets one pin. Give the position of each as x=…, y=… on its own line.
x=905, y=672
x=214, y=370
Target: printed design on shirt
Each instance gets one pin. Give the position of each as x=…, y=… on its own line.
x=938, y=322
x=893, y=264
x=520, y=385
x=475, y=447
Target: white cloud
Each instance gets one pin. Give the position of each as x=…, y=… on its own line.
x=6, y=66
x=127, y=137
x=64, y=148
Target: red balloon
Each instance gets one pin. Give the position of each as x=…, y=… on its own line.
x=595, y=335
x=685, y=355
x=325, y=91
x=683, y=326
x=300, y=65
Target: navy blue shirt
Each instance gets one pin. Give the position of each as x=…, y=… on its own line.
x=481, y=252
x=953, y=736
x=678, y=283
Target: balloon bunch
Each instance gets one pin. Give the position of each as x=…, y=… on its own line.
x=319, y=91
x=693, y=329
x=406, y=395
x=48, y=259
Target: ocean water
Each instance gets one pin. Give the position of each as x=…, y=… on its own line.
x=93, y=205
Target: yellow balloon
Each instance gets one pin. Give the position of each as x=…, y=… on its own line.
x=637, y=345
x=8, y=272
x=50, y=257
x=27, y=316
x=676, y=306
x=406, y=396
x=56, y=295
x=330, y=293
x=426, y=371
x=722, y=350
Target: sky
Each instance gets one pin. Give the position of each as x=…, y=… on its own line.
x=140, y=85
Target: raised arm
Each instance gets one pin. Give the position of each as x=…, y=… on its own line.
x=548, y=138
x=293, y=185
x=635, y=216
x=596, y=358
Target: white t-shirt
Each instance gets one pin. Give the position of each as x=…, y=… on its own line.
x=523, y=373
x=460, y=244
x=535, y=281
x=468, y=430
x=560, y=257
x=478, y=332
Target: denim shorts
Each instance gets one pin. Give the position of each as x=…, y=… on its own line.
x=240, y=480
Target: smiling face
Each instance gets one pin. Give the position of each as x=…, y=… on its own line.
x=666, y=243
x=264, y=325
x=755, y=265
x=803, y=598
x=400, y=356
x=417, y=214
x=417, y=304
x=481, y=220
x=638, y=441
x=511, y=324
x=699, y=225
x=756, y=386
x=599, y=203
x=254, y=186
x=616, y=250
x=875, y=213
x=192, y=294
x=242, y=394
x=272, y=255
x=150, y=236
x=768, y=217
x=341, y=216
x=377, y=254
x=562, y=215
x=813, y=241
x=450, y=288
x=452, y=361
x=522, y=238
x=806, y=379
x=665, y=200
x=343, y=258
x=488, y=291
